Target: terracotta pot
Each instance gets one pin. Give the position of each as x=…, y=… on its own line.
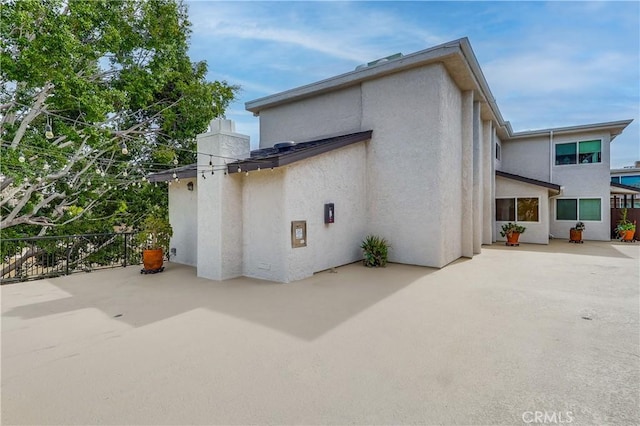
x=152, y=259
x=512, y=238
x=628, y=235
x=575, y=235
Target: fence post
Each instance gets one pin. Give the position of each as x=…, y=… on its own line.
x=66, y=271
x=126, y=236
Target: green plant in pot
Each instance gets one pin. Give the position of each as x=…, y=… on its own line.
x=154, y=237
x=512, y=231
x=375, y=251
x=626, y=229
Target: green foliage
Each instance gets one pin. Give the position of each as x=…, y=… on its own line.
x=375, y=251
x=579, y=226
x=101, y=73
x=624, y=224
x=512, y=228
x=156, y=231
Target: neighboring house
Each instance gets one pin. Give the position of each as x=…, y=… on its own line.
x=413, y=148
x=625, y=187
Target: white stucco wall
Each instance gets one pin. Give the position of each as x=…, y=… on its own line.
x=536, y=232
x=527, y=157
x=273, y=199
x=413, y=162
x=407, y=163
x=337, y=177
x=532, y=157
x=183, y=216
x=265, y=236
x=329, y=114
x=220, y=207
x=585, y=181
x=449, y=161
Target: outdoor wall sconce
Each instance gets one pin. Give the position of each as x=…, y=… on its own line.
x=190, y=186
x=329, y=213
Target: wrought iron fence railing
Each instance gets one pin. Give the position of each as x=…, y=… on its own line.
x=44, y=257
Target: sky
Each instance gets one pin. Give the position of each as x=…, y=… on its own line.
x=548, y=64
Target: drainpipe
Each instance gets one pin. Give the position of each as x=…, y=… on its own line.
x=550, y=155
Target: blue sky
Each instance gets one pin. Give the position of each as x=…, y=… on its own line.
x=549, y=64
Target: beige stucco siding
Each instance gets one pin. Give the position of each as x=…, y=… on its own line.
x=183, y=216
x=529, y=158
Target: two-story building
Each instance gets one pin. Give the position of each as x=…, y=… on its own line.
x=412, y=148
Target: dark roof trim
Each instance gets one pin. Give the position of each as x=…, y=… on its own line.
x=183, y=172
x=301, y=151
x=626, y=187
x=530, y=181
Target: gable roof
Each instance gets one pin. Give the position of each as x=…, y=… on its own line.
x=548, y=185
x=273, y=157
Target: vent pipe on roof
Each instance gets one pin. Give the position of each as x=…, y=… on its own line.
x=284, y=146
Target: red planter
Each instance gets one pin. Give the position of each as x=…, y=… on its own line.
x=627, y=235
x=512, y=239
x=152, y=259
x=575, y=235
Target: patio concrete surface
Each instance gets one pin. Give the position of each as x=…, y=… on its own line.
x=492, y=340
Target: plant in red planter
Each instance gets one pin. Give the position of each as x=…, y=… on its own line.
x=575, y=233
x=154, y=236
x=626, y=229
x=512, y=231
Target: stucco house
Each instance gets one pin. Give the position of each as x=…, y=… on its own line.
x=412, y=148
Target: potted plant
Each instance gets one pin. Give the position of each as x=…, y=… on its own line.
x=154, y=236
x=626, y=229
x=512, y=231
x=375, y=250
x=575, y=233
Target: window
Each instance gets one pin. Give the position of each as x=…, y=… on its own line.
x=583, y=152
x=630, y=180
x=615, y=179
x=506, y=209
x=527, y=209
x=517, y=209
x=579, y=209
x=498, y=153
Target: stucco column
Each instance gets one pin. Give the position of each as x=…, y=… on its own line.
x=220, y=202
x=487, y=182
x=477, y=179
x=466, y=204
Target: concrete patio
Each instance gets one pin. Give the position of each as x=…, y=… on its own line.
x=551, y=329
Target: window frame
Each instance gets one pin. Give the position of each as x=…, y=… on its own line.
x=576, y=153
x=577, y=199
x=515, y=210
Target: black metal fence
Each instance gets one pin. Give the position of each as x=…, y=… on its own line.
x=44, y=257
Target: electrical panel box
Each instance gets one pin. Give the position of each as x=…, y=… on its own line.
x=298, y=233
x=329, y=213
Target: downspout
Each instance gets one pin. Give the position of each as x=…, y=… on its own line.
x=550, y=155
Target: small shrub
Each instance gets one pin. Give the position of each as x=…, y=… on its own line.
x=510, y=228
x=375, y=250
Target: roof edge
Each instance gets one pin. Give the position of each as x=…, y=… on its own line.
x=530, y=181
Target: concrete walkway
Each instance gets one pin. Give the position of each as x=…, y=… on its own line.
x=493, y=340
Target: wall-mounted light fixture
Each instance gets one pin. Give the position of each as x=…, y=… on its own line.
x=190, y=186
